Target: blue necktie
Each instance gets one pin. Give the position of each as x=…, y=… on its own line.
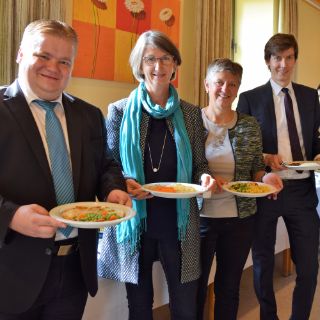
x=59, y=159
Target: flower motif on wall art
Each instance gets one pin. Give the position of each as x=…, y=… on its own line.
x=101, y=4
x=166, y=16
x=108, y=30
x=136, y=8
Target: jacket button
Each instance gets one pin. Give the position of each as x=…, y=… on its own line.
x=48, y=251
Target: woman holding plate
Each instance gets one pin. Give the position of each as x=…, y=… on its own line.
x=234, y=153
x=156, y=137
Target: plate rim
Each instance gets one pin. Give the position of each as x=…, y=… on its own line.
x=246, y=194
x=309, y=167
x=93, y=224
x=174, y=195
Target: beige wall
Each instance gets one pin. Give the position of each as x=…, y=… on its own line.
x=308, y=66
x=101, y=93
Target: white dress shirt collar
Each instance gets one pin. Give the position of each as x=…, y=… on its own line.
x=277, y=88
x=30, y=95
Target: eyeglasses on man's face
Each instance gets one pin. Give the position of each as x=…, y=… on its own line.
x=152, y=60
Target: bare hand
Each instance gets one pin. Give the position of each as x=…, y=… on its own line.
x=274, y=161
x=220, y=181
x=274, y=180
x=34, y=221
x=135, y=190
x=119, y=196
x=208, y=182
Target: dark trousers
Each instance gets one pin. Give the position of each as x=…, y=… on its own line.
x=182, y=297
x=297, y=205
x=63, y=296
x=230, y=240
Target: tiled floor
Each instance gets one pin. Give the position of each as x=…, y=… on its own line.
x=249, y=310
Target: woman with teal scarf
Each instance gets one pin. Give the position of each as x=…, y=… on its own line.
x=156, y=137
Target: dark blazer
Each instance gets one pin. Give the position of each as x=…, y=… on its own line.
x=25, y=178
x=258, y=102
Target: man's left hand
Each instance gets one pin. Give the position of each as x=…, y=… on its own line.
x=119, y=196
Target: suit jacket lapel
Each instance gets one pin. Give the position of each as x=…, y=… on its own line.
x=20, y=110
x=74, y=124
x=305, y=118
x=270, y=115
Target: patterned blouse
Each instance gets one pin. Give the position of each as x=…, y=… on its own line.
x=246, y=142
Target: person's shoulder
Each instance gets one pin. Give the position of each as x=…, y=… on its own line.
x=257, y=90
x=9, y=90
x=3, y=88
x=2, y=91
x=298, y=86
x=188, y=107
x=115, y=109
x=245, y=119
x=186, y=104
x=70, y=99
x=119, y=104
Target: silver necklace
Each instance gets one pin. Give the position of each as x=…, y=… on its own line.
x=154, y=169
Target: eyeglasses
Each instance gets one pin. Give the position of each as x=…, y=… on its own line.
x=152, y=60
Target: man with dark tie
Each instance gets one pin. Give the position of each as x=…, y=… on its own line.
x=289, y=117
x=53, y=151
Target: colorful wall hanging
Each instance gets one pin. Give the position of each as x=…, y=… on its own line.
x=108, y=30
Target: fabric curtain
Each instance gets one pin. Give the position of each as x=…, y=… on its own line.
x=16, y=15
x=213, y=39
x=286, y=19
x=286, y=16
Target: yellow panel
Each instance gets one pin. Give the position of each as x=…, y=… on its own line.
x=124, y=44
x=86, y=11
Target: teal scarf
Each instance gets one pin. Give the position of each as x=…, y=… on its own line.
x=131, y=158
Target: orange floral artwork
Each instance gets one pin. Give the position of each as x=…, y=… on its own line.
x=108, y=30
x=315, y=3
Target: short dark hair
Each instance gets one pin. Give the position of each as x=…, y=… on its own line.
x=278, y=43
x=155, y=39
x=220, y=65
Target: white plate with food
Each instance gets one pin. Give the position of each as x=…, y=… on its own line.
x=302, y=165
x=92, y=215
x=174, y=190
x=249, y=189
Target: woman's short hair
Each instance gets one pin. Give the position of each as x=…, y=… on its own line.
x=154, y=39
x=278, y=43
x=52, y=27
x=224, y=64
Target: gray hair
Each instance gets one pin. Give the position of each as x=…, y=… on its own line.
x=154, y=39
x=220, y=65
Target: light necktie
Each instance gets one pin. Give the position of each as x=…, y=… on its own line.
x=59, y=159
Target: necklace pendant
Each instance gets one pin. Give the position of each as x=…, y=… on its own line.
x=155, y=169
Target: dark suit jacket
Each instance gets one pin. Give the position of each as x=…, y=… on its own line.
x=258, y=102
x=25, y=178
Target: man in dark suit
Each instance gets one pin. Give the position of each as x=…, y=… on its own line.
x=45, y=274
x=271, y=105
